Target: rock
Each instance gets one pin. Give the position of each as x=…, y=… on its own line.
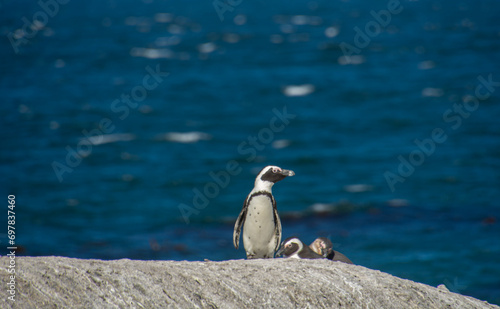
x=443, y=287
x=58, y=282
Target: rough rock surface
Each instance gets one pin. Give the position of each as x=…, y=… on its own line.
x=58, y=282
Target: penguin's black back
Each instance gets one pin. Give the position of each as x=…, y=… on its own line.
x=307, y=253
x=337, y=256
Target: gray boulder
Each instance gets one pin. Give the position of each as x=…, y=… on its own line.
x=58, y=282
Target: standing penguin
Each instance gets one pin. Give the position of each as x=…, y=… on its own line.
x=293, y=247
x=324, y=247
x=259, y=216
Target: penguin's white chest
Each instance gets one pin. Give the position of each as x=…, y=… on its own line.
x=259, y=227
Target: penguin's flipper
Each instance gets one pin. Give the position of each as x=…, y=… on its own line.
x=237, y=227
x=277, y=226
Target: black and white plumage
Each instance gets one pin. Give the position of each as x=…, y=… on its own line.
x=324, y=247
x=293, y=247
x=259, y=216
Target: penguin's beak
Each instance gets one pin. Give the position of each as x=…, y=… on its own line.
x=287, y=172
x=280, y=251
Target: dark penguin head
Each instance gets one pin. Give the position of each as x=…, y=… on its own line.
x=322, y=246
x=270, y=175
x=290, y=247
x=293, y=247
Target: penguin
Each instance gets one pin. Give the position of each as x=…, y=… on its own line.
x=293, y=247
x=259, y=216
x=324, y=247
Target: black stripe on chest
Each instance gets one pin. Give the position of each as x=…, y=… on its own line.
x=265, y=193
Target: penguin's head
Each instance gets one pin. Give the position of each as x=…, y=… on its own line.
x=290, y=247
x=322, y=246
x=271, y=174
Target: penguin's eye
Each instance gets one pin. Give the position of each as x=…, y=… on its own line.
x=276, y=170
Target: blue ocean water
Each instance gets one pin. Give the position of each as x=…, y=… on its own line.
x=135, y=129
